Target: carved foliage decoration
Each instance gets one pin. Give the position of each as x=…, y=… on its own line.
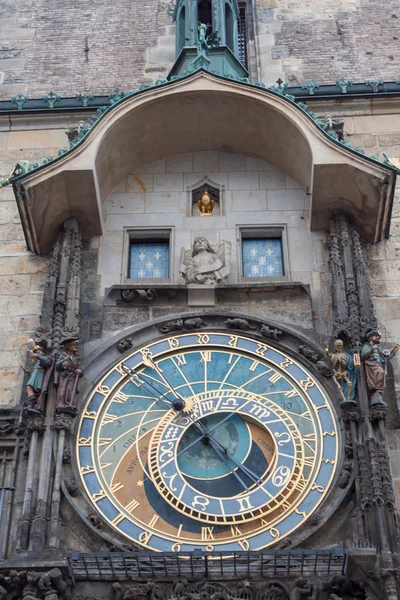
x=351, y=294
x=60, y=318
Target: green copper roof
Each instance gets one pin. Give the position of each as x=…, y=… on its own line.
x=23, y=169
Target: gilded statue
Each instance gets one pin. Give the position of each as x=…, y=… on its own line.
x=375, y=363
x=344, y=372
x=206, y=204
x=205, y=264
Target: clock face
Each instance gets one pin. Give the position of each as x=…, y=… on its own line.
x=211, y=441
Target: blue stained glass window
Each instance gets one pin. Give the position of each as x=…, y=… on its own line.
x=149, y=260
x=262, y=257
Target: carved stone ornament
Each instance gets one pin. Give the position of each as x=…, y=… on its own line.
x=129, y=295
x=72, y=487
x=241, y=324
x=32, y=585
x=180, y=324
x=205, y=264
x=317, y=359
x=271, y=333
x=125, y=345
x=7, y=426
x=300, y=589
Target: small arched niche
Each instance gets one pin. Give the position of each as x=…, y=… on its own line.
x=195, y=193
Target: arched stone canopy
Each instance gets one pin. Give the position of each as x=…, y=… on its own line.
x=204, y=112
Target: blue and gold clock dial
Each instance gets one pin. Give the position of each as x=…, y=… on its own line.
x=210, y=441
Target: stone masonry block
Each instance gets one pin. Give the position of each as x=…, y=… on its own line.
x=171, y=182
x=12, y=64
x=287, y=200
x=27, y=305
x=162, y=202
x=255, y=164
x=37, y=139
x=254, y=200
x=158, y=166
x=232, y=162
x=248, y=180
x=17, y=33
x=272, y=180
x=205, y=162
x=125, y=203
x=140, y=183
x=14, y=285
x=183, y=163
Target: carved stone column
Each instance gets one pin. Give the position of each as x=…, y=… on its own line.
x=63, y=425
x=34, y=428
x=353, y=315
x=60, y=320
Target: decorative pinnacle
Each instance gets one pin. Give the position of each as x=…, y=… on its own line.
x=84, y=99
x=51, y=98
x=344, y=84
x=20, y=100
x=310, y=86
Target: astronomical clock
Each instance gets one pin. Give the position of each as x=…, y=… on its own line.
x=207, y=441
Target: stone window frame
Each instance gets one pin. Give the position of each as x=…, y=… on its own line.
x=256, y=232
x=145, y=233
x=204, y=181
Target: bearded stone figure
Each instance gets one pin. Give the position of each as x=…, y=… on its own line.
x=205, y=264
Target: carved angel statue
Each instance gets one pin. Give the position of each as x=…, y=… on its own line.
x=205, y=264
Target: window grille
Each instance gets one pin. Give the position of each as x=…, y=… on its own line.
x=149, y=260
x=242, y=34
x=262, y=257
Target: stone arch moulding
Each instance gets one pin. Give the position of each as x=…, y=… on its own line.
x=210, y=113
x=204, y=181
x=106, y=355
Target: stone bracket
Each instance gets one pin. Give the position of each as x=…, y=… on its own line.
x=191, y=295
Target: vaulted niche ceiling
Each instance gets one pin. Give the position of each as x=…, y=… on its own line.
x=199, y=113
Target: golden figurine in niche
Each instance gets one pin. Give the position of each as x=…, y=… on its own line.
x=206, y=204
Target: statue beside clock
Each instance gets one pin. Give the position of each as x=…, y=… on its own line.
x=207, y=440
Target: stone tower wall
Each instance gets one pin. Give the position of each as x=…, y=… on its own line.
x=78, y=47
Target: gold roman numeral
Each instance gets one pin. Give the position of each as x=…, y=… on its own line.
x=118, y=519
x=120, y=397
x=109, y=419
x=233, y=341
x=132, y=506
x=207, y=533
x=116, y=487
x=291, y=393
x=274, y=378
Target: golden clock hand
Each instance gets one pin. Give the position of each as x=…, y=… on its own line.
x=179, y=403
x=136, y=379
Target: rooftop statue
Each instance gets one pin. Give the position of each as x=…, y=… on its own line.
x=204, y=41
x=205, y=264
